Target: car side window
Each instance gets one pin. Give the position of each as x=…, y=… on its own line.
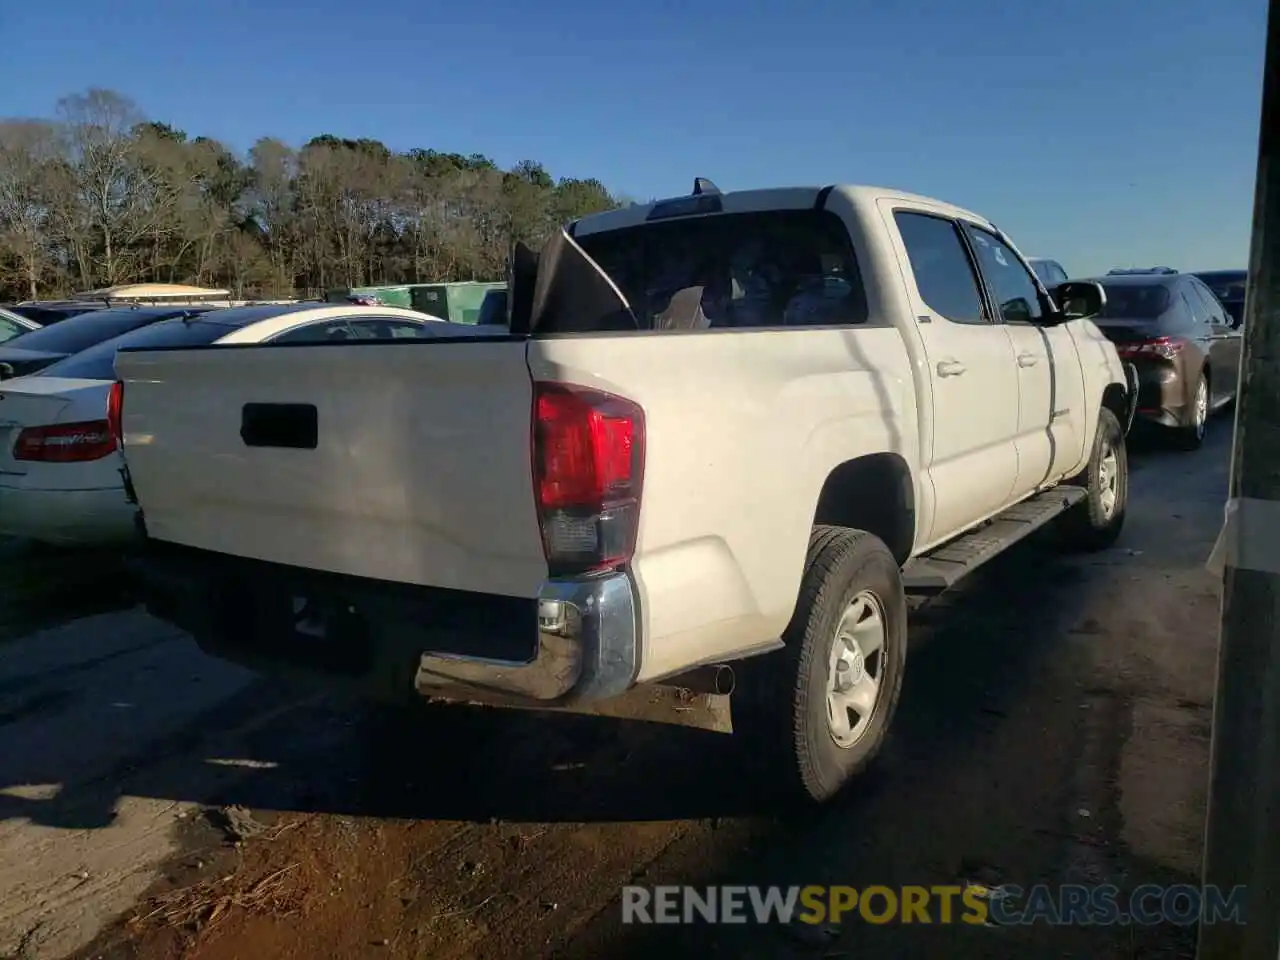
x=9, y=329
x=1056, y=274
x=1212, y=305
x=1012, y=283
x=942, y=267
x=386, y=328
x=339, y=329
x=1195, y=307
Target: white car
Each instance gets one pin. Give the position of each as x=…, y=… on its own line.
x=14, y=325
x=60, y=479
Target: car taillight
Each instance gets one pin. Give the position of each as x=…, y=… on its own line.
x=588, y=466
x=1166, y=348
x=65, y=442
x=115, y=411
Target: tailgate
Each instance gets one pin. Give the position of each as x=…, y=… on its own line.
x=406, y=462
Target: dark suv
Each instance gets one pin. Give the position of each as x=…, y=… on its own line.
x=1049, y=271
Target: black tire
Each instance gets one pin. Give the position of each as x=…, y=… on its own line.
x=1190, y=436
x=1090, y=524
x=780, y=711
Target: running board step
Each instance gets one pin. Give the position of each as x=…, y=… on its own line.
x=939, y=570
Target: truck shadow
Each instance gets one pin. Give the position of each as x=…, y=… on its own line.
x=476, y=764
x=974, y=666
x=43, y=584
x=972, y=657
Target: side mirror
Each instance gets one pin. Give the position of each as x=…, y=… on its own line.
x=1079, y=300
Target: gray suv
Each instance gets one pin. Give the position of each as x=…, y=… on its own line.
x=1050, y=272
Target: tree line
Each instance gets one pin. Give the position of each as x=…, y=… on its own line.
x=100, y=195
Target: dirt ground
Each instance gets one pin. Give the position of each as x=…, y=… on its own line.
x=1054, y=728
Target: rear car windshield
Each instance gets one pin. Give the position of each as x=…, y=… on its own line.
x=76, y=333
x=48, y=315
x=769, y=269
x=1134, y=301
x=98, y=362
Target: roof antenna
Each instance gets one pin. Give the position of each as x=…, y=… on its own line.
x=702, y=185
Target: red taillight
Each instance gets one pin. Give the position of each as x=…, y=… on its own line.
x=115, y=410
x=588, y=464
x=65, y=442
x=1164, y=347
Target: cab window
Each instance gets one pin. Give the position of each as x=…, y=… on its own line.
x=1011, y=282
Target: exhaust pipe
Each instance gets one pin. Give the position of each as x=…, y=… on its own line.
x=717, y=679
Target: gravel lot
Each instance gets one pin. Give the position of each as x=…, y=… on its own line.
x=1054, y=728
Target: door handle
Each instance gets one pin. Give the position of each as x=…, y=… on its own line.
x=1027, y=359
x=950, y=368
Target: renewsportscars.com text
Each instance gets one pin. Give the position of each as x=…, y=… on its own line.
x=1065, y=905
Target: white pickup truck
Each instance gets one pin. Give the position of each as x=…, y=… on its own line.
x=728, y=432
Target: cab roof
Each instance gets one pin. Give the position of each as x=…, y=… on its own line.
x=704, y=201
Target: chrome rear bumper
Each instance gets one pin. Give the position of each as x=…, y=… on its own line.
x=588, y=649
x=578, y=641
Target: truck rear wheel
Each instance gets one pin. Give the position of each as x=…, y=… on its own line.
x=817, y=712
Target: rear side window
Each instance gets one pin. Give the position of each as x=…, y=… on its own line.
x=1199, y=312
x=98, y=362
x=1212, y=306
x=941, y=265
x=349, y=328
x=776, y=268
x=339, y=329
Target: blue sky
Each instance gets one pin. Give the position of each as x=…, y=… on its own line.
x=1100, y=132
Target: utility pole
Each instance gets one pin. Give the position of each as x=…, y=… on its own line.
x=1242, y=835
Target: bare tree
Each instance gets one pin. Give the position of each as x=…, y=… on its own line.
x=28, y=149
x=112, y=187
x=101, y=195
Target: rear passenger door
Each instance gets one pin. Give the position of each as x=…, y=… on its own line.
x=1224, y=345
x=971, y=453
x=1201, y=334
